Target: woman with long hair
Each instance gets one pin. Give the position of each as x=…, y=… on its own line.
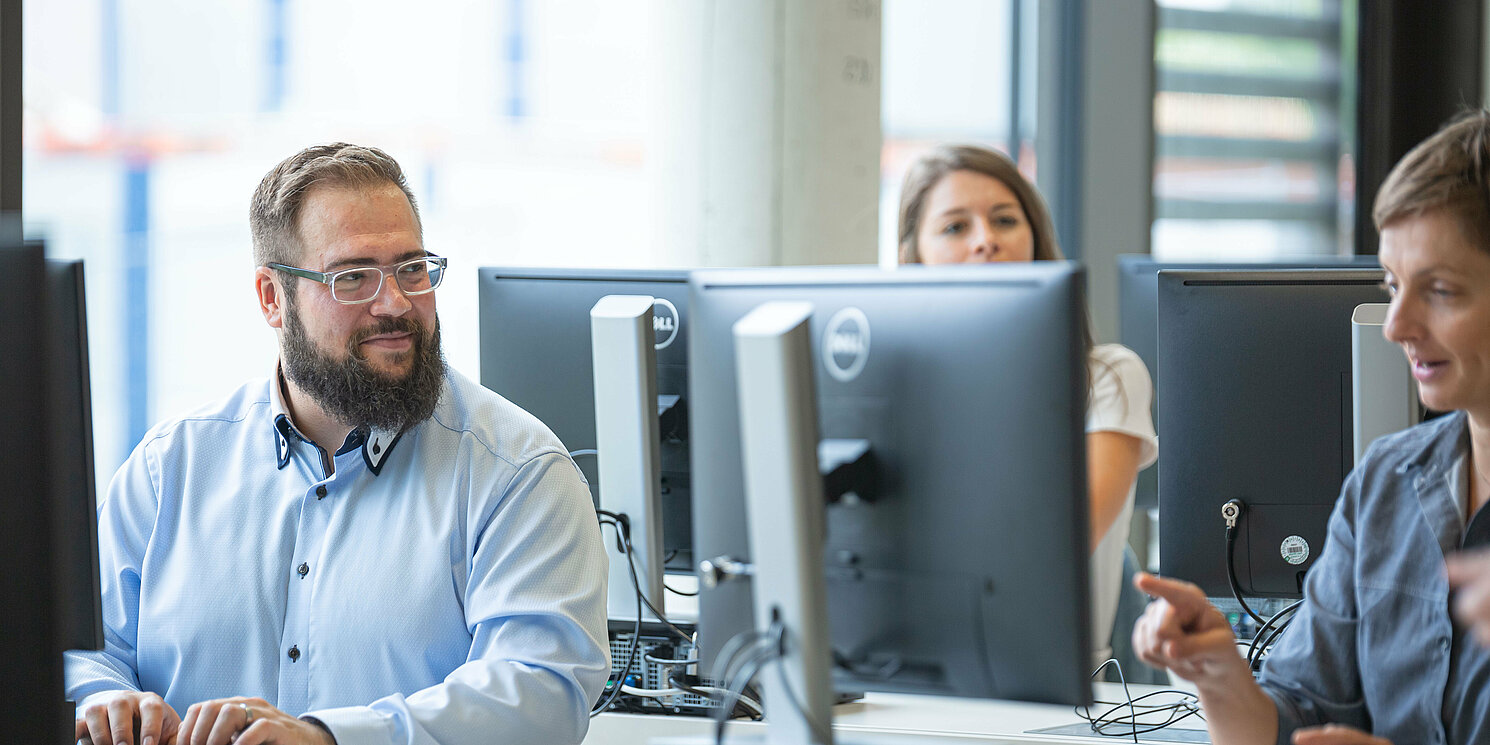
x=965, y=204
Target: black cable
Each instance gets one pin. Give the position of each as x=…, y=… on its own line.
x=757, y=661
x=1118, y=666
x=739, y=652
x=786, y=686
x=672, y=680
x=1132, y=724
x=667, y=662
x=688, y=687
x=1236, y=587
x=1255, y=648
x=620, y=678
x=623, y=536
x=1187, y=706
x=684, y=635
x=1260, y=646
x=733, y=648
x=619, y=518
x=636, y=635
x=1282, y=618
x=1262, y=638
x=676, y=591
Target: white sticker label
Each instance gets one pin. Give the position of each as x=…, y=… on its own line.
x=1295, y=550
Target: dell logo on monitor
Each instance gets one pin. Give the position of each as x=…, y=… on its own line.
x=846, y=344
x=665, y=321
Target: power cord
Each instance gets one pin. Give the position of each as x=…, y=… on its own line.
x=668, y=559
x=1231, y=512
x=821, y=731
x=755, y=657
x=622, y=525
x=676, y=591
x=735, y=698
x=623, y=535
x=748, y=701
x=622, y=519
x=684, y=635
x=747, y=658
x=1269, y=629
x=1258, y=650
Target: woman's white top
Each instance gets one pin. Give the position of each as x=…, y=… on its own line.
x=1120, y=402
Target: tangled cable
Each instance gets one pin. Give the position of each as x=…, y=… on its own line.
x=1133, y=717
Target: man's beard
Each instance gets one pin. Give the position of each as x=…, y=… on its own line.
x=354, y=393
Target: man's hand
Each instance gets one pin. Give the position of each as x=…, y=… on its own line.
x=1335, y=734
x=1183, y=632
x=247, y=721
x=1469, y=574
x=128, y=718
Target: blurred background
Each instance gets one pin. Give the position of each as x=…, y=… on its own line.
x=546, y=133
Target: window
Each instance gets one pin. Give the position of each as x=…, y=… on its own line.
x=522, y=126
x=1253, y=105
x=955, y=71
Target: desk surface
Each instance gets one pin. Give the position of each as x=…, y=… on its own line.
x=886, y=717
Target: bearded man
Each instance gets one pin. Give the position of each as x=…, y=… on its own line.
x=366, y=547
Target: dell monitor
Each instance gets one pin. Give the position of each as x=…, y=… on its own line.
x=1138, y=293
x=956, y=560
x=535, y=351
x=1256, y=407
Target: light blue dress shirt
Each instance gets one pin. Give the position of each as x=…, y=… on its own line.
x=443, y=586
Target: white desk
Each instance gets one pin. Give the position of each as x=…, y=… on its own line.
x=892, y=718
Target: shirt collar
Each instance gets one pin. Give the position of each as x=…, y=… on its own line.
x=1437, y=445
x=376, y=443
x=1433, y=460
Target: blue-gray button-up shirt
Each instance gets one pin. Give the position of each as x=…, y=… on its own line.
x=1374, y=645
x=442, y=586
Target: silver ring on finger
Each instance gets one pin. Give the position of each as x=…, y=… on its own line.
x=248, y=715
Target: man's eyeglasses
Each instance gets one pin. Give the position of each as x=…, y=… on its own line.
x=360, y=284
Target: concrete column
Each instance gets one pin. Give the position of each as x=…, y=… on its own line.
x=768, y=136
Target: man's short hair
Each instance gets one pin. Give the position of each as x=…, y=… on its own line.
x=274, y=215
x=1445, y=171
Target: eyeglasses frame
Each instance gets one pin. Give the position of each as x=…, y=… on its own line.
x=326, y=278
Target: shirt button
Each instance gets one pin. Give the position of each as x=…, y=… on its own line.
x=1443, y=644
x=320, y=491
x=294, y=654
x=304, y=569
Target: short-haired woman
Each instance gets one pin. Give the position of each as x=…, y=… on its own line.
x=1374, y=654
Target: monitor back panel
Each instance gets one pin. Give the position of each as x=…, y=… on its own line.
x=965, y=573
x=1138, y=318
x=1256, y=404
x=535, y=351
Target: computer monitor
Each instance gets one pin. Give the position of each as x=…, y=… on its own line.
x=1138, y=291
x=535, y=351
x=48, y=545
x=70, y=438
x=960, y=566
x=1256, y=407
